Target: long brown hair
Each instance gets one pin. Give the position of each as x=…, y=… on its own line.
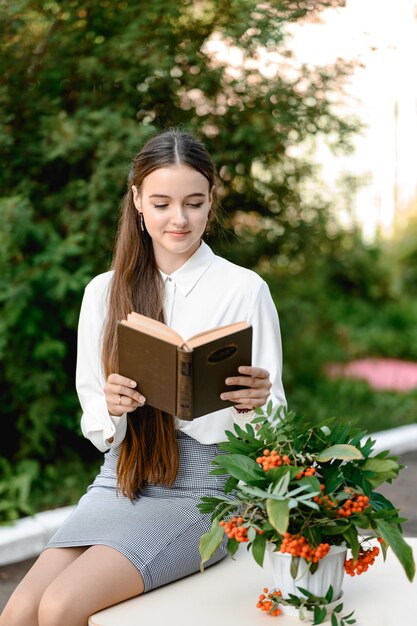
x=149, y=452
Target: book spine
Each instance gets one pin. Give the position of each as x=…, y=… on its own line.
x=184, y=384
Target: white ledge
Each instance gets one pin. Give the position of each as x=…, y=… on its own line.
x=28, y=536
x=397, y=440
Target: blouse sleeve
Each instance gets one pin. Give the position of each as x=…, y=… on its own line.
x=96, y=423
x=266, y=349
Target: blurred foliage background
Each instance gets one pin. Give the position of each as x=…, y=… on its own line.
x=84, y=84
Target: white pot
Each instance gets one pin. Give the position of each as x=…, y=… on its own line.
x=330, y=571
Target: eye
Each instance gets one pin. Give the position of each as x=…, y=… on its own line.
x=160, y=206
x=195, y=206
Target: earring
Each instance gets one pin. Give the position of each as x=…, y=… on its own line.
x=142, y=223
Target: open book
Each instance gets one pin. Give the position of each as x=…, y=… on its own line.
x=182, y=377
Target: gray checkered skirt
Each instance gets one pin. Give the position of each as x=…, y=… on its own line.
x=160, y=532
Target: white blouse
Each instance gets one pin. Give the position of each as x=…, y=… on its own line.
x=206, y=292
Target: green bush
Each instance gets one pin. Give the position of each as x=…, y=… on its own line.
x=85, y=84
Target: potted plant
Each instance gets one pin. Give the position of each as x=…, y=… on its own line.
x=305, y=495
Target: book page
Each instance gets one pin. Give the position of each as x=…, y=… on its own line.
x=215, y=333
x=153, y=327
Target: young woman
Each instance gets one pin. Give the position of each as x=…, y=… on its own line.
x=138, y=526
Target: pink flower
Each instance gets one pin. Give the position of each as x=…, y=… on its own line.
x=381, y=373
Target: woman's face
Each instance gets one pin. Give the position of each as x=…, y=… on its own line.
x=175, y=202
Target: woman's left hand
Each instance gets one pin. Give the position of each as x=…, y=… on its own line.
x=257, y=383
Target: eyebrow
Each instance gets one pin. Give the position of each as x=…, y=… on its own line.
x=190, y=195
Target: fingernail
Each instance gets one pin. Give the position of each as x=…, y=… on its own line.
x=143, y=400
x=228, y=381
x=132, y=383
x=223, y=396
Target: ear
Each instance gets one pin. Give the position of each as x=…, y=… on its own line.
x=136, y=198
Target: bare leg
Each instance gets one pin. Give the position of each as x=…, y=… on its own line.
x=99, y=577
x=23, y=604
x=66, y=585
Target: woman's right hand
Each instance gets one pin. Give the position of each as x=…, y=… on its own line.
x=121, y=396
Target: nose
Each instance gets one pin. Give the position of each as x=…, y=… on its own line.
x=179, y=217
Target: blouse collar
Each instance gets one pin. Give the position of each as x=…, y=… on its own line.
x=188, y=275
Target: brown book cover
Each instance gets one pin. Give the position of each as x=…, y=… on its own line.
x=183, y=378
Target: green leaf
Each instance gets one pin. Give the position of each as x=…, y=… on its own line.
x=252, y=534
x=241, y=467
x=351, y=536
x=312, y=505
x=380, y=470
x=329, y=594
x=235, y=445
x=210, y=542
x=209, y=503
x=232, y=547
x=260, y=493
x=380, y=465
x=275, y=473
x=333, y=620
x=294, y=566
x=384, y=549
x=319, y=614
x=311, y=482
x=379, y=501
x=392, y=535
x=281, y=486
x=230, y=484
x=258, y=549
x=335, y=528
x=305, y=592
x=278, y=514
x=343, y=451
x=217, y=471
x=349, y=615
x=302, y=489
x=362, y=521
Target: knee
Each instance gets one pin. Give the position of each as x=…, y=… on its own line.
x=51, y=610
x=20, y=611
x=56, y=609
